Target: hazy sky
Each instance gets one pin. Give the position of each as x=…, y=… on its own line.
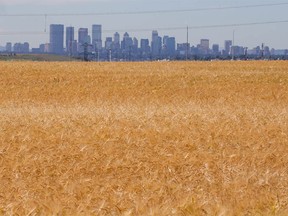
x=273, y=35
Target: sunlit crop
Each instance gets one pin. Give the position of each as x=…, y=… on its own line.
x=162, y=138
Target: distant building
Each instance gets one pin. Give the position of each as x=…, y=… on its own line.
x=56, y=39
x=97, y=36
x=83, y=36
x=21, y=48
x=227, y=47
x=8, y=47
x=204, y=46
x=69, y=39
x=183, y=48
x=47, y=48
x=135, y=43
x=237, y=50
x=165, y=37
x=266, y=51
x=35, y=50
x=279, y=52
x=144, y=46
x=127, y=43
x=74, y=46
x=116, y=42
x=215, y=49
x=170, y=44
x=42, y=48
x=108, y=43
x=156, y=44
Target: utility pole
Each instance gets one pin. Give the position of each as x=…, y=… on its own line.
x=110, y=55
x=232, y=50
x=45, y=16
x=187, y=48
x=130, y=50
x=262, y=51
x=97, y=53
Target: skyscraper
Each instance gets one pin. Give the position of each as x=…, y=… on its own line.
x=69, y=39
x=204, y=43
x=97, y=36
x=215, y=49
x=227, y=46
x=170, y=44
x=156, y=44
x=108, y=43
x=127, y=42
x=56, y=39
x=204, y=46
x=135, y=43
x=144, y=45
x=116, y=40
x=83, y=35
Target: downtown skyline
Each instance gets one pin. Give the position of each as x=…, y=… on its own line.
x=31, y=29
x=66, y=40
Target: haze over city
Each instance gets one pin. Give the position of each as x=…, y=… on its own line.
x=15, y=28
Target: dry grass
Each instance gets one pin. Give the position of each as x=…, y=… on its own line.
x=144, y=138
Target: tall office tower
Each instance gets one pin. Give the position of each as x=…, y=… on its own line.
x=204, y=46
x=165, y=40
x=204, y=43
x=227, y=46
x=69, y=39
x=116, y=40
x=97, y=36
x=170, y=44
x=135, y=43
x=144, y=45
x=127, y=42
x=156, y=44
x=83, y=35
x=215, y=49
x=56, y=39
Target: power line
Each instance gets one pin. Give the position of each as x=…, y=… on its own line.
x=146, y=11
x=204, y=26
x=159, y=29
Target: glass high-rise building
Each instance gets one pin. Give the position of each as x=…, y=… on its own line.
x=117, y=40
x=170, y=44
x=97, y=36
x=69, y=39
x=156, y=44
x=56, y=39
x=144, y=45
x=83, y=35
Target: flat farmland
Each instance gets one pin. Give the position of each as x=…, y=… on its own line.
x=162, y=138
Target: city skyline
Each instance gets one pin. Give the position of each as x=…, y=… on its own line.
x=64, y=42
x=273, y=34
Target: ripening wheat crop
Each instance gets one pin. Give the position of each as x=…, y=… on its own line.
x=163, y=138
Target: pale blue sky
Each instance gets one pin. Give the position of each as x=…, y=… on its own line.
x=274, y=35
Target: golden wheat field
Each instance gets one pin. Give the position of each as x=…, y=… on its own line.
x=162, y=138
